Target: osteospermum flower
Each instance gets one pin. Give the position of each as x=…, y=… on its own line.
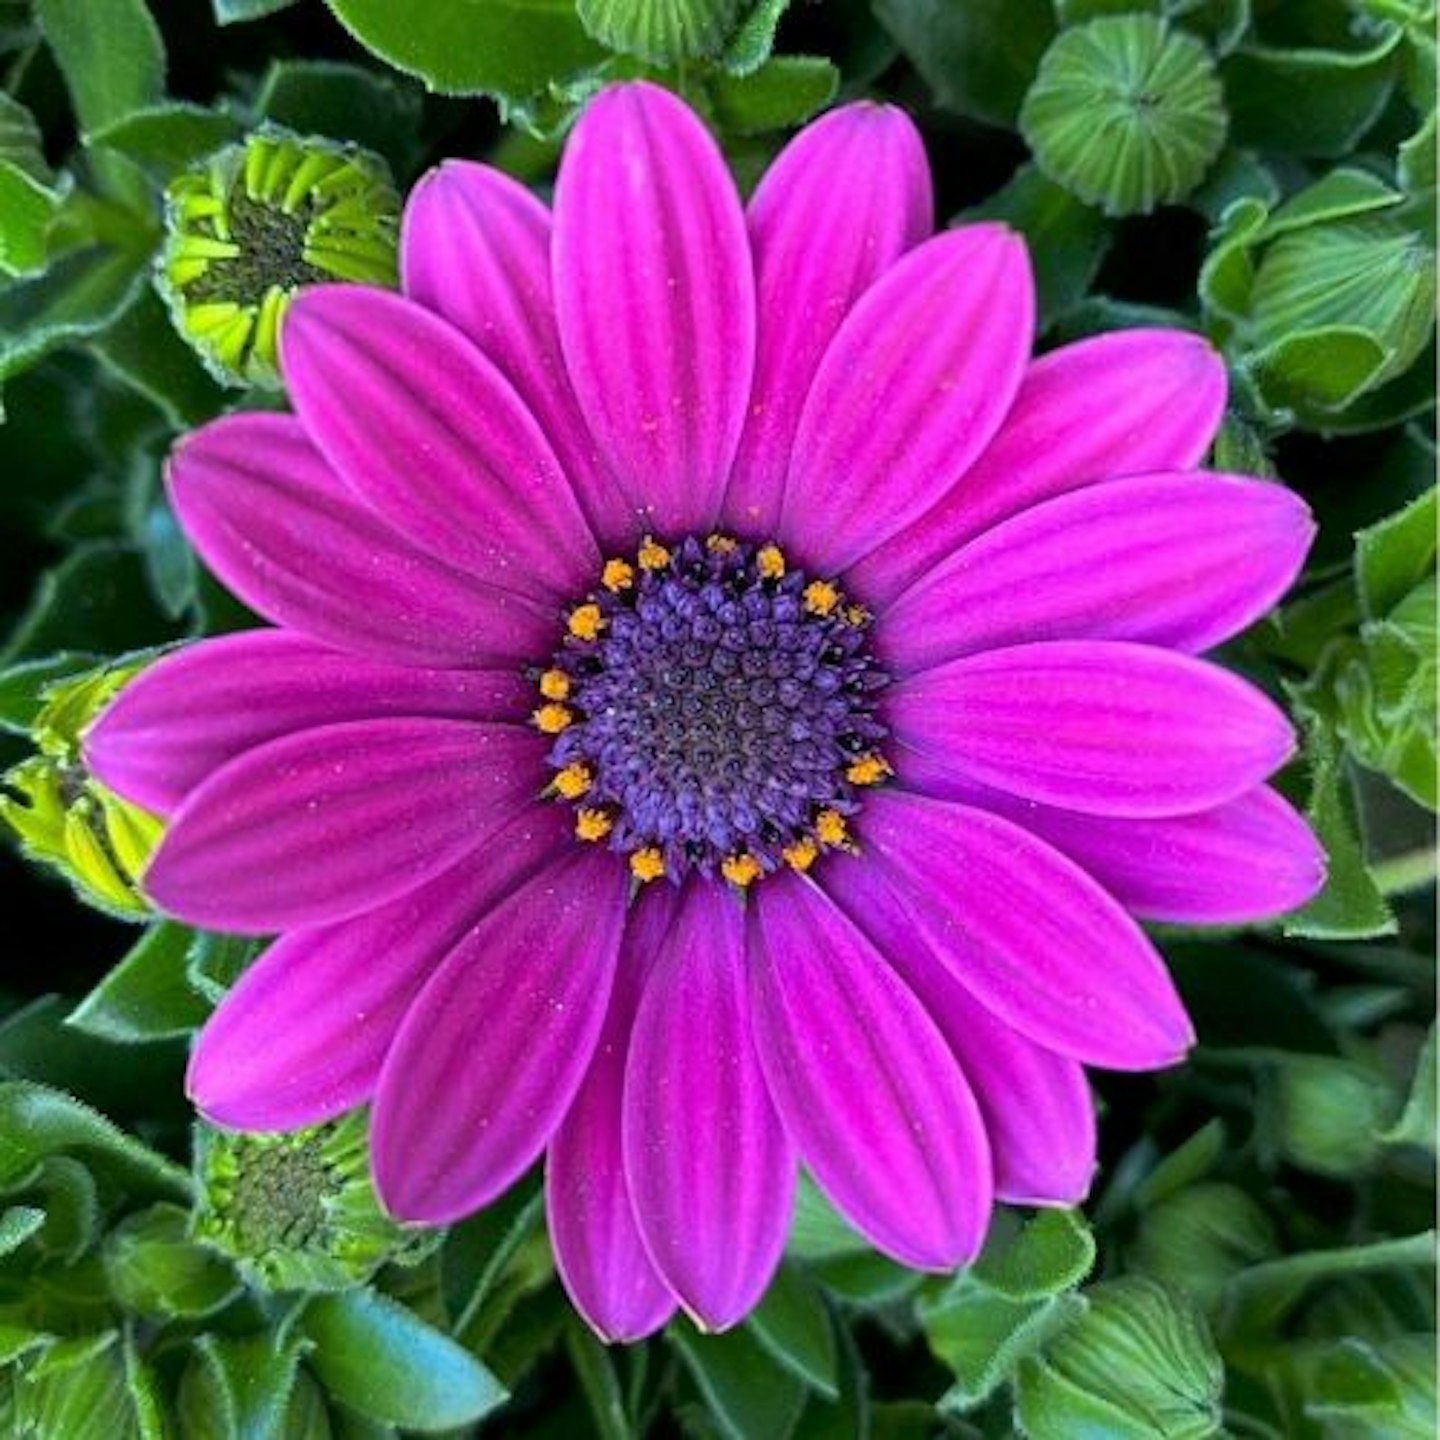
x=726, y=707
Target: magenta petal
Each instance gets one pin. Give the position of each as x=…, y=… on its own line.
x=1029, y=934
x=318, y=826
x=1183, y=561
x=281, y=529
x=914, y=384
x=1036, y=1104
x=475, y=249
x=1104, y=727
x=1129, y=403
x=598, y=1249
x=1248, y=859
x=864, y=1082
x=430, y=433
x=711, y=1171
x=302, y=1035
x=840, y=204
x=193, y=711
x=655, y=298
x=492, y=1053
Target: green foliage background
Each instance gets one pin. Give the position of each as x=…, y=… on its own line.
x=1257, y=1258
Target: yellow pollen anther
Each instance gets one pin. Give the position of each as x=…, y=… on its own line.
x=652, y=555
x=586, y=622
x=868, y=770
x=592, y=824
x=820, y=597
x=647, y=864
x=802, y=854
x=770, y=562
x=554, y=684
x=617, y=575
x=856, y=615
x=720, y=544
x=830, y=827
x=573, y=781
x=741, y=870
x=551, y=719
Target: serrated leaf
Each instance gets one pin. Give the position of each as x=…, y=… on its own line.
x=977, y=56
x=783, y=92
x=1393, y=556
x=384, y=1361
x=792, y=1323
x=77, y=1389
x=326, y=97
x=110, y=53
x=235, y=1389
x=748, y=1395
x=1308, y=102
x=513, y=50
x=167, y=137
x=1350, y=907
x=1054, y=1251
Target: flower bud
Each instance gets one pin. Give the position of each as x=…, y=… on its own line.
x=252, y=224
x=298, y=1211
x=65, y=818
x=1138, y=1363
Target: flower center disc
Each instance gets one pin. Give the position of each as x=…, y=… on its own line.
x=713, y=710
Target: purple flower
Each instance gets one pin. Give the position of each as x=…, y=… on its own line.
x=750, y=550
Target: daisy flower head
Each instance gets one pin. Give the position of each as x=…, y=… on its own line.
x=725, y=709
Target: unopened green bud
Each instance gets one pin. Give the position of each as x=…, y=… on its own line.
x=1328, y=1114
x=1199, y=1239
x=65, y=818
x=298, y=1211
x=256, y=221
x=1139, y=1364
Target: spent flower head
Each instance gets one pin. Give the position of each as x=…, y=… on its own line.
x=726, y=708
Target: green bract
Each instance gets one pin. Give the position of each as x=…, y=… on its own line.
x=1125, y=113
x=297, y=1210
x=255, y=222
x=64, y=817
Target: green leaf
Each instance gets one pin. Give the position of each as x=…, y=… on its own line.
x=1327, y=1114
x=17, y=1224
x=385, y=1362
x=110, y=53
x=21, y=143
x=36, y=1121
x=783, y=92
x=1259, y=1298
x=1343, y=194
x=1139, y=1364
x=1350, y=907
x=513, y=50
x=1054, y=1251
x=600, y=1383
x=77, y=1389
x=78, y=296
x=977, y=56
x=22, y=687
x=155, y=1269
x=100, y=596
x=235, y=12
x=792, y=1323
x=1416, y=1125
x=1067, y=239
x=754, y=37
x=236, y=1389
x=169, y=136
x=1393, y=556
x=749, y=1396
x=1308, y=102
x=1383, y=1387
x=1198, y=1240
x=147, y=996
x=28, y=208
x=660, y=31
x=1125, y=113
x=1318, y=371
x=326, y=97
